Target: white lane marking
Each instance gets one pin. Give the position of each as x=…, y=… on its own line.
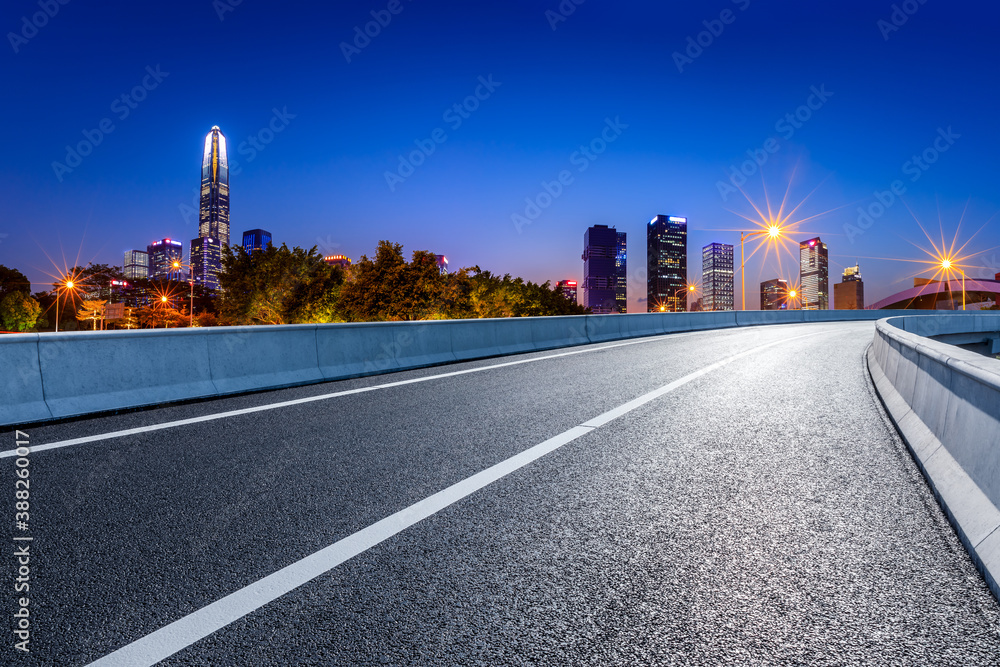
x=299, y=401
x=197, y=625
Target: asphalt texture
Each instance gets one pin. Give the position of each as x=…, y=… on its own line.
x=764, y=513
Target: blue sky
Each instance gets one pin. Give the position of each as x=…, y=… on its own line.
x=555, y=79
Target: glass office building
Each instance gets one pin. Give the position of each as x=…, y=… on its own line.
x=666, y=264
x=256, y=239
x=814, y=275
x=717, y=276
x=605, y=270
x=162, y=255
x=213, y=218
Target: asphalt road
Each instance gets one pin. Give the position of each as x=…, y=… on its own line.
x=753, y=510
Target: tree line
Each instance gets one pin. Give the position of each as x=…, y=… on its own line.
x=279, y=285
x=282, y=286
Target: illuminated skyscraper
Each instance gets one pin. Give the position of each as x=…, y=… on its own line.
x=850, y=294
x=568, y=289
x=136, y=265
x=604, y=270
x=213, y=219
x=621, y=264
x=162, y=255
x=813, y=265
x=666, y=264
x=774, y=294
x=442, y=263
x=206, y=252
x=717, y=276
x=256, y=239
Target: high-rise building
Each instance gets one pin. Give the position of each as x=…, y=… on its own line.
x=666, y=264
x=717, y=277
x=604, y=270
x=621, y=266
x=206, y=252
x=136, y=265
x=850, y=294
x=814, y=275
x=162, y=255
x=256, y=239
x=568, y=289
x=442, y=263
x=774, y=294
x=343, y=261
x=213, y=218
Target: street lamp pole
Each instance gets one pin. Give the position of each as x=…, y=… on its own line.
x=963, y=288
x=948, y=265
x=773, y=232
x=686, y=288
x=69, y=285
x=177, y=266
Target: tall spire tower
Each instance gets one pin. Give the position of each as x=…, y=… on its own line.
x=213, y=219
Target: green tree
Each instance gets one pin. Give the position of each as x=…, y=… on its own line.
x=390, y=288
x=92, y=310
x=158, y=316
x=127, y=321
x=205, y=320
x=19, y=312
x=277, y=286
x=12, y=280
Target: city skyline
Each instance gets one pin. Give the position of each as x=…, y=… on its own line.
x=837, y=119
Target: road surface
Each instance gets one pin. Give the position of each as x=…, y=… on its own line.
x=725, y=497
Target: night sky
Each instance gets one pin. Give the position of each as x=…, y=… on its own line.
x=555, y=82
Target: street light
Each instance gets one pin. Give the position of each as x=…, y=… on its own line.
x=177, y=266
x=689, y=288
x=773, y=233
x=948, y=266
x=70, y=285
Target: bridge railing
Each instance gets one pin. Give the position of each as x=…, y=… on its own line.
x=58, y=375
x=946, y=403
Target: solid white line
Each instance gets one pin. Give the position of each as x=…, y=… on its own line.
x=299, y=401
x=197, y=625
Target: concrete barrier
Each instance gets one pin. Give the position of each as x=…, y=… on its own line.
x=420, y=344
x=251, y=358
x=603, y=328
x=71, y=374
x=108, y=370
x=945, y=402
x=353, y=350
x=21, y=395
